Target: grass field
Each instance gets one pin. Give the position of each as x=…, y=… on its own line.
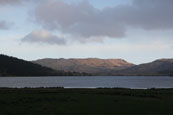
x=59, y=101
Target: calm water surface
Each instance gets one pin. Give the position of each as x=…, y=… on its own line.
x=137, y=82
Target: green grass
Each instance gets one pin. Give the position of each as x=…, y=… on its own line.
x=59, y=101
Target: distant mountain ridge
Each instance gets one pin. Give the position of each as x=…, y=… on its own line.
x=112, y=67
x=158, y=68
x=10, y=66
x=89, y=65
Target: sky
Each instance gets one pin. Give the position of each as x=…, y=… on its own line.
x=138, y=31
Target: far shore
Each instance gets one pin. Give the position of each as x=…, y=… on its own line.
x=98, y=76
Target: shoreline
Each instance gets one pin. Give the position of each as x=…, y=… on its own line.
x=99, y=76
x=88, y=82
x=86, y=88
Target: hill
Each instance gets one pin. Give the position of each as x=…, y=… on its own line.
x=90, y=65
x=156, y=68
x=10, y=66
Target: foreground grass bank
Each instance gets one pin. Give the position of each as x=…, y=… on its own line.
x=59, y=101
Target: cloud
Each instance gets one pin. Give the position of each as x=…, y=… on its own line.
x=43, y=36
x=7, y=2
x=80, y=19
x=4, y=25
x=84, y=20
x=146, y=14
x=16, y=2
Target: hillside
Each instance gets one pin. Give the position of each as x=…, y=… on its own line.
x=110, y=66
x=158, y=67
x=90, y=65
x=10, y=66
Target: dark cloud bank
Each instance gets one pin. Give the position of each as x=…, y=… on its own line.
x=85, y=21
